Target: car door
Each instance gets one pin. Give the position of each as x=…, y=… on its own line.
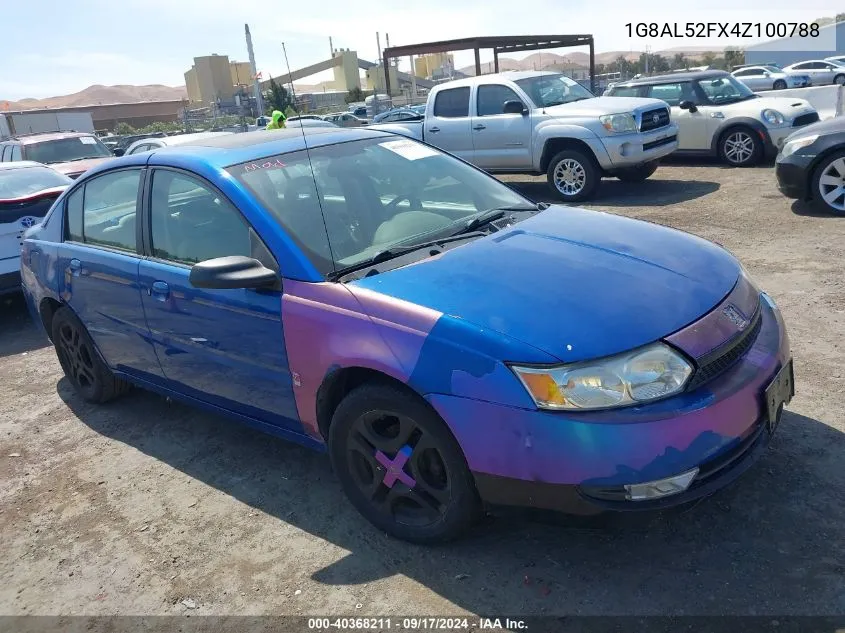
x=98, y=263
x=830, y=72
x=223, y=347
x=692, y=126
x=754, y=78
x=500, y=141
x=449, y=126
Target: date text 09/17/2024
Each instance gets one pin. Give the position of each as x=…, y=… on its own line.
x=680, y=30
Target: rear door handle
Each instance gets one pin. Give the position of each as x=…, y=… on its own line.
x=434, y=130
x=159, y=290
x=479, y=127
x=75, y=267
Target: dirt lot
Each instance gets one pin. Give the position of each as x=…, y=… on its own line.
x=133, y=507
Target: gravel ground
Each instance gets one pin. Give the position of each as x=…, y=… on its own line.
x=135, y=507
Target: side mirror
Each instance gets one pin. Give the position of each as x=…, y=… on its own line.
x=235, y=271
x=687, y=105
x=118, y=151
x=514, y=107
x=767, y=74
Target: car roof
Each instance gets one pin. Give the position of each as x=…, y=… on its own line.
x=809, y=61
x=692, y=75
x=22, y=164
x=232, y=149
x=181, y=139
x=28, y=139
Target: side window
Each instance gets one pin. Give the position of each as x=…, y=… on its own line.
x=672, y=94
x=452, y=103
x=626, y=91
x=73, y=224
x=5, y=152
x=144, y=147
x=16, y=152
x=491, y=99
x=803, y=66
x=191, y=222
x=109, y=210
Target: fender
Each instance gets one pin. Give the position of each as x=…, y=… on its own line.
x=554, y=129
x=754, y=124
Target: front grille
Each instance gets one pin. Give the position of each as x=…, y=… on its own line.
x=805, y=119
x=723, y=357
x=663, y=141
x=654, y=119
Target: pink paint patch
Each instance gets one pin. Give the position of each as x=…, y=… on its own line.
x=396, y=467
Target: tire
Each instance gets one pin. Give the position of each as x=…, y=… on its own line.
x=831, y=167
x=579, y=169
x=81, y=361
x=780, y=84
x=430, y=495
x=839, y=80
x=638, y=173
x=747, y=153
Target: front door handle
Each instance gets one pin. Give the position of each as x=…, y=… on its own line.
x=75, y=267
x=159, y=291
x=434, y=130
x=479, y=127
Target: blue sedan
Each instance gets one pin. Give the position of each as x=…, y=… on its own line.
x=449, y=343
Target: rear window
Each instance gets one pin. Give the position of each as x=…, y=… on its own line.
x=18, y=183
x=452, y=103
x=65, y=150
x=625, y=91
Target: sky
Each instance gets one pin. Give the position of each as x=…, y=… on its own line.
x=54, y=48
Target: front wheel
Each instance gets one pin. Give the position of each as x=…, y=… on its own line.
x=400, y=466
x=828, y=183
x=573, y=175
x=780, y=84
x=741, y=147
x=638, y=173
x=839, y=80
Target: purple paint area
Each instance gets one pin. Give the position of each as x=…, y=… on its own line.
x=625, y=446
x=395, y=468
x=328, y=326
x=715, y=327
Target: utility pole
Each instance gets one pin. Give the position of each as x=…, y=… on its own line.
x=256, y=82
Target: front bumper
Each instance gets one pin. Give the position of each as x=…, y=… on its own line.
x=577, y=462
x=630, y=150
x=793, y=178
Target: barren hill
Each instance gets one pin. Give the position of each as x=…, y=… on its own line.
x=96, y=95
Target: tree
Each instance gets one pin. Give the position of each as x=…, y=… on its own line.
x=123, y=129
x=709, y=59
x=354, y=95
x=278, y=97
x=678, y=61
x=734, y=57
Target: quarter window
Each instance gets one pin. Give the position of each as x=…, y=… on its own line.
x=491, y=99
x=191, y=222
x=452, y=103
x=104, y=211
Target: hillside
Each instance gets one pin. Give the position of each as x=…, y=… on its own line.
x=96, y=95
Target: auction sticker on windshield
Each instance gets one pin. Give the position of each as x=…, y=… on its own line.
x=87, y=140
x=409, y=149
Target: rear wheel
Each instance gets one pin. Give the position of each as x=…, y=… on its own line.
x=400, y=466
x=84, y=368
x=780, y=84
x=828, y=182
x=741, y=147
x=573, y=175
x=839, y=80
x=638, y=173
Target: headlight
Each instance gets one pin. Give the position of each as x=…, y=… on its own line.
x=772, y=117
x=793, y=146
x=649, y=373
x=619, y=123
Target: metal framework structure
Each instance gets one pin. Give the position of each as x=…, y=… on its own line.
x=504, y=44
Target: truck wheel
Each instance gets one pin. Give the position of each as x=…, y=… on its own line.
x=780, y=84
x=740, y=146
x=638, y=173
x=573, y=175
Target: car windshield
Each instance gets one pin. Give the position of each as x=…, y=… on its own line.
x=726, y=89
x=25, y=181
x=359, y=198
x=551, y=90
x=65, y=150
x=773, y=69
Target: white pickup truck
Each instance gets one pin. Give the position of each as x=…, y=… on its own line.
x=544, y=122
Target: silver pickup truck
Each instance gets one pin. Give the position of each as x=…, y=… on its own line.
x=544, y=122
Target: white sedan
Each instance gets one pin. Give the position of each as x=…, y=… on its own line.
x=822, y=72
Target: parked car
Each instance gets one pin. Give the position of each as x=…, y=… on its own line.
x=359, y=110
x=71, y=153
x=544, y=122
x=147, y=144
x=839, y=60
x=301, y=117
x=811, y=165
x=398, y=114
x=760, y=78
x=418, y=108
x=309, y=123
x=346, y=119
x=27, y=191
x=821, y=72
x=377, y=298
x=719, y=115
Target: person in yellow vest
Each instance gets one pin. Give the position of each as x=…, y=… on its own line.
x=277, y=121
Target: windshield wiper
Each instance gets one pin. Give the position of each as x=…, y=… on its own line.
x=491, y=215
x=396, y=251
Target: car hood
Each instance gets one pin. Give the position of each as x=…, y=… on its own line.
x=836, y=125
x=604, y=105
x=76, y=167
x=574, y=283
x=787, y=106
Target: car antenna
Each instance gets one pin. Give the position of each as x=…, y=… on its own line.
x=308, y=155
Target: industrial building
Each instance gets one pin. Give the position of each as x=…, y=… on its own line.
x=791, y=50
x=215, y=79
